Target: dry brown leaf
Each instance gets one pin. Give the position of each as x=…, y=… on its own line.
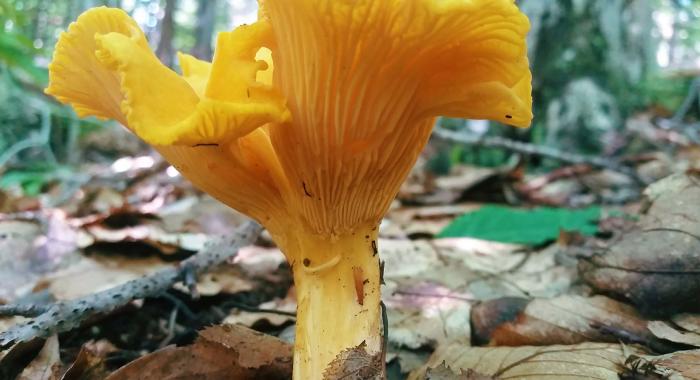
x=463, y=177
x=657, y=266
x=92, y=274
x=681, y=365
x=429, y=190
x=554, y=188
x=566, y=319
x=89, y=274
x=603, y=180
x=221, y=353
x=431, y=284
x=480, y=255
x=407, y=359
x=688, y=159
x=31, y=249
x=659, y=165
x=255, y=350
x=685, y=364
x=584, y=361
x=442, y=372
x=150, y=234
x=426, y=315
x=46, y=365
x=11, y=201
x=421, y=222
x=503, y=270
x=665, y=331
x=252, y=318
x=100, y=200
x=258, y=261
x=251, y=265
x=355, y=364
x=422, y=308
x=200, y=213
x=226, y=279
x=476, y=269
x=405, y=215
x=14, y=358
x=485, y=269
x=489, y=319
x=688, y=322
x=90, y=364
x=415, y=229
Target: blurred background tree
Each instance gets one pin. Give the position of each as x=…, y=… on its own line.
x=590, y=59
x=40, y=140
x=596, y=63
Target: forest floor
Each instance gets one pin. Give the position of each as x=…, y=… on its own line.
x=491, y=273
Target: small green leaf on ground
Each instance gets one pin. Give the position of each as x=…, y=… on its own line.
x=523, y=226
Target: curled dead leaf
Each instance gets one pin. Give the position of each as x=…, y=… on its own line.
x=90, y=362
x=664, y=330
x=584, y=361
x=657, y=266
x=46, y=365
x=562, y=320
x=220, y=353
x=688, y=322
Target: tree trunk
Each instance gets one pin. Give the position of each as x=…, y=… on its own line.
x=165, y=50
x=206, y=17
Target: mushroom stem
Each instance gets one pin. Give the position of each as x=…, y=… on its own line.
x=338, y=292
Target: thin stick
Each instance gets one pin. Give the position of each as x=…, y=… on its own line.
x=23, y=310
x=66, y=315
x=537, y=150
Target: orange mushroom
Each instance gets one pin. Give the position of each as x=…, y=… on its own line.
x=315, y=149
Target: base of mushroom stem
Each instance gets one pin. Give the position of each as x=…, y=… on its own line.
x=338, y=295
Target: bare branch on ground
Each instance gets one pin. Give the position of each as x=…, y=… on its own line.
x=66, y=315
x=537, y=150
x=24, y=310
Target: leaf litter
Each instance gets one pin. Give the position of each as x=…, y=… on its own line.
x=573, y=299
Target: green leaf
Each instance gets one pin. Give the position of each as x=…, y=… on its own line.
x=523, y=226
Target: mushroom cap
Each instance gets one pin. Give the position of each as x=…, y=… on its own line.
x=323, y=141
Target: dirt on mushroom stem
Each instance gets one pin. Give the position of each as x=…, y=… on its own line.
x=337, y=282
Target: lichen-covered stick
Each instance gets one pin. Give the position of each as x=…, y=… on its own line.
x=67, y=315
x=315, y=148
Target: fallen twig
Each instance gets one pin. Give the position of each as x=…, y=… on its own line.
x=66, y=315
x=537, y=150
x=24, y=310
